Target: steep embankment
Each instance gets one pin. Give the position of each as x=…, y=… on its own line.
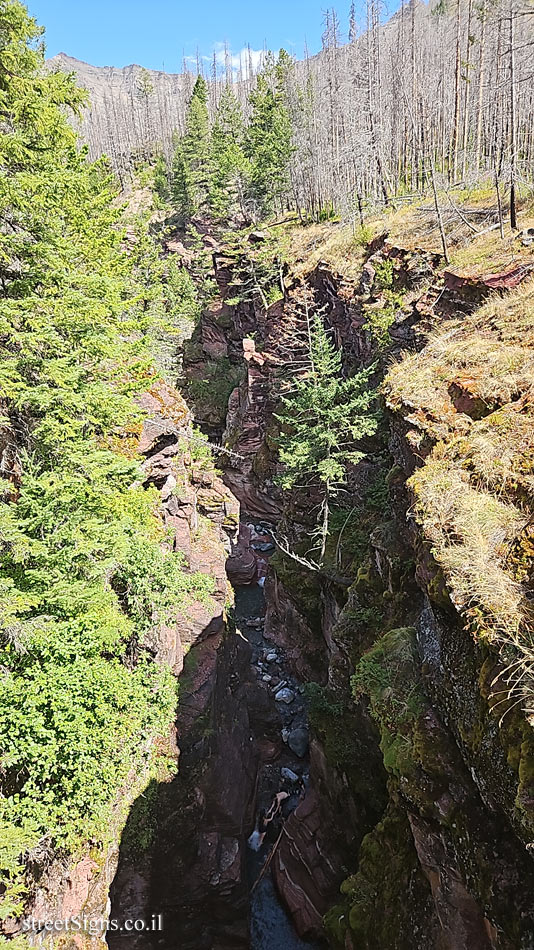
x=416, y=631
x=199, y=517
x=112, y=519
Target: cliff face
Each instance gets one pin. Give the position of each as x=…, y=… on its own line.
x=418, y=641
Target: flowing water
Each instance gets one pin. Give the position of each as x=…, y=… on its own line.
x=271, y=927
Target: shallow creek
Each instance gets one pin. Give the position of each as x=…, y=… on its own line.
x=271, y=927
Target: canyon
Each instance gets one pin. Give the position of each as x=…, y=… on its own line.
x=361, y=691
x=267, y=529
x=416, y=797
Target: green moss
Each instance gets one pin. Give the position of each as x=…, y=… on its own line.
x=397, y=751
x=437, y=590
x=387, y=903
x=368, y=577
x=304, y=586
x=387, y=674
x=525, y=791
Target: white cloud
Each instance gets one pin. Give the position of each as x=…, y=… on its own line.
x=244, y=60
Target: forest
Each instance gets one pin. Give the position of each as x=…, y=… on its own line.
x=439, y=92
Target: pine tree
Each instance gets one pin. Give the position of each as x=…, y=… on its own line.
x=182, y=192
x=83, y=570
x=193, y=157
x=322, y=421
x=268, y=140
x=161, y=178
x=231, y=168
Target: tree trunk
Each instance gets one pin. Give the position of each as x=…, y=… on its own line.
x=481, y=78
x=513, y=130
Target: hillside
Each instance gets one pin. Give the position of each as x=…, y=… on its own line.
x=431, y=92
x=119, y=121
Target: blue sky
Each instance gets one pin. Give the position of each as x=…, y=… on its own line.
x=157, y=33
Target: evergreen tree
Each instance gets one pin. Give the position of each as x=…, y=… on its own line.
x=83, y=567
x=193, y=156
x=161, y=178
x=231, y=168
x=322, y=420
x=182, y=191
x=268, y=139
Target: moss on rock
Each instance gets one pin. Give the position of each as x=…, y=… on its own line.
x=387, y=903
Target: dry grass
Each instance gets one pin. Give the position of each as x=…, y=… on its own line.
x=412, y=225
x=489, y=356
x=499, y=452
x=481, y=255
x=471, y=532
x=475, y=491
x=511, y=316
x=490, y=371
x=333, y=243
x=415, y=225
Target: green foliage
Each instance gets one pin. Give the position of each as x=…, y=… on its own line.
x=324, y=417
x=85, y=578
x=182, y=189
x=13, y=843
x=191, y=170
x=363, y=235
x=220, y=377
x=322, y=701
x=199, y=448
x=327, y=213
x=257, y=266
x=377, y=493
x=230, y=170
x=14, y=943
x=379, y=320
x=269, y=136
x=384, y=272
x=321, y=423
x=230, y=167
x=161, y=182
x=176, y=316
x=349, y=528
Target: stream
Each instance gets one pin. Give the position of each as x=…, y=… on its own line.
x=256, y=777
x=271, y=927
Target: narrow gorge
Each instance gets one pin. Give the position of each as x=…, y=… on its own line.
x=267, y=491
x=415, y=792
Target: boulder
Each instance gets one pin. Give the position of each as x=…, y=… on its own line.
x=298, y=741
x=285, y=695
x=289, y=775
